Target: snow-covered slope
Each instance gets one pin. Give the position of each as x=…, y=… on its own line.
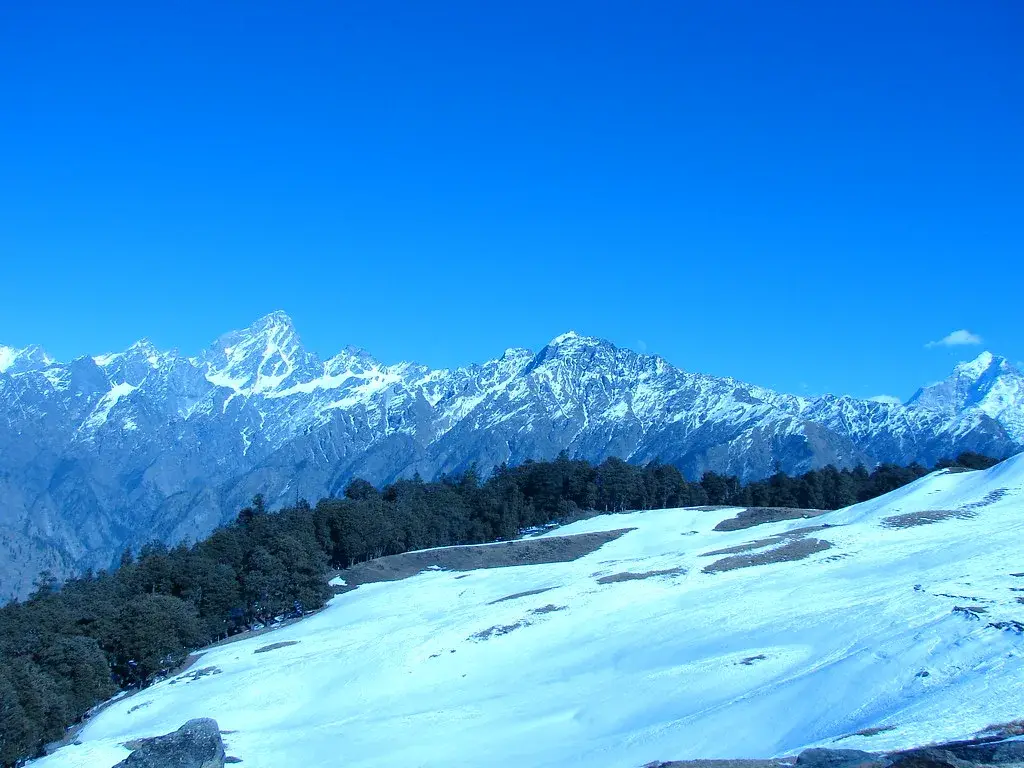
x=111, y=451
x=909, y=623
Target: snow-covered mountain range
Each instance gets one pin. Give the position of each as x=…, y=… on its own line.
x=105, y=452
x=886, y=625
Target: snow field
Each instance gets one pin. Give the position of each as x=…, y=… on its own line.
x=753, y=662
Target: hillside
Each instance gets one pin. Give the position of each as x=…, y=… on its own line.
x=107, y=452
x=900, y=617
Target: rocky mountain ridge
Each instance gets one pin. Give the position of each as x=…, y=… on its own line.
x=110, y=451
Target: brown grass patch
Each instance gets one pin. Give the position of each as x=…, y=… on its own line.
x=790, y=551
x=555, y=549
x=517, y=595
x=926, y=517
x=752, y=516
x=275, y=646
x=628, y=576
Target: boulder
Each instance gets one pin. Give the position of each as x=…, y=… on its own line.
x=929, y=757
x=997, y=753
x=197, y=744
x=838, y=758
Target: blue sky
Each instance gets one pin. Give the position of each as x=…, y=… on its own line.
x=799, y=194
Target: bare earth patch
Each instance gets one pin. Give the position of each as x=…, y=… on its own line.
x=197, y=674
x=628, y=576
x=783, y=547
x=869, y=731
x=556, y=549
x=750, y=546
x=1009, y=626
x=549, y=608
x=970, y=611
x=752, y=516
x=796, y=549
x=1005, y=730
x=517, y=595
x=496, y=631
x=275, y=646
x=990, y=498
x=926, y=517
x=770, y=541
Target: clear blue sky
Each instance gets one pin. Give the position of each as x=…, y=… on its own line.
x=799, y=194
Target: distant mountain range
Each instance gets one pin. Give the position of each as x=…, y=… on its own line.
x=106, y=452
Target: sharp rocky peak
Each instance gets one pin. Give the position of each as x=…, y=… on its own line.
x=573, y=340
x=266, y=356
x=977, y=367
x=278, y=320
x=988, y=381
x=572, y=344
x=353, y=359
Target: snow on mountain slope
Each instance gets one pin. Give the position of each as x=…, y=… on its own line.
x=111, y=451
x=988, y=384
x=31, y=358
x=910, y=621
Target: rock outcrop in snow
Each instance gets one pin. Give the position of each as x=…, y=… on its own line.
x=196, y=744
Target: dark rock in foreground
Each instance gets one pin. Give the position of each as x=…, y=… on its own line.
x=838, y=758
x=976, y=753
x=197, y=744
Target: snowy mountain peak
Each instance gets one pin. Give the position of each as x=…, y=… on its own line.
x=144, y=346
x=568, y=337
x=31, y=358
x=975, y=368
x=351, y=359
x=988, y=383
x=573, y=344
x=278, y=320
x=261, y=358
x=573, y=340
x=145, y=352
x=516, y=353
x=258, y=413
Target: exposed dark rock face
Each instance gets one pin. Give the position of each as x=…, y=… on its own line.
x=996, y=753
x=838, y=758
x=983, y=752
x=197, y=744
x=113, y=451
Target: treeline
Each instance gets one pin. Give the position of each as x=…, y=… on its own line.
x=69, y=647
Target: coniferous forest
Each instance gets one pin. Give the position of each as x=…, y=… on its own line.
x=71, y=646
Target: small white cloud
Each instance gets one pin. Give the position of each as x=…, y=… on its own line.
x=885, y=399
x=959, y=338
